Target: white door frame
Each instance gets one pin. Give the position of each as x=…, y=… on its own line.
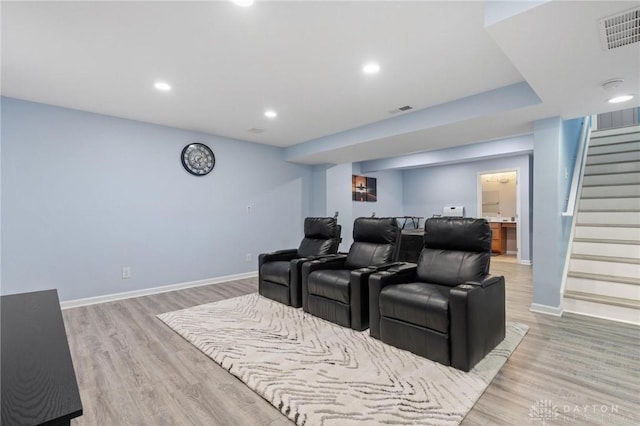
x=518, y=203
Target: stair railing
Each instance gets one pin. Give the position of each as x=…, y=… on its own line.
x=581, y=158
x=572, y=202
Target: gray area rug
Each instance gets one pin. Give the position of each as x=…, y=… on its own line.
x=318, y=373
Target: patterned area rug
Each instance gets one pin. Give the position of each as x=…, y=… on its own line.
x=318, y=373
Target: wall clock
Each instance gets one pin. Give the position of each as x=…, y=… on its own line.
x=198, y=159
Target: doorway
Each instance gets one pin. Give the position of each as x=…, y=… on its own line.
x=499, y=203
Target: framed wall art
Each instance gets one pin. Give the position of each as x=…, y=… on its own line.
x=364, y=189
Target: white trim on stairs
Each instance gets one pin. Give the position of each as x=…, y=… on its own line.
x=154, y=290
x=602, y=317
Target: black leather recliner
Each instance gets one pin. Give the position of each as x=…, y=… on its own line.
x=336, y=289
x=447, y=307
x=279, y=271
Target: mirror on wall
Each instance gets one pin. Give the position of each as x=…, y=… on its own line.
x=499, y=195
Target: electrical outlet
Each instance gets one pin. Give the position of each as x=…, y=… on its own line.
x=248, y=257
x=249, y=208
x=126, y=272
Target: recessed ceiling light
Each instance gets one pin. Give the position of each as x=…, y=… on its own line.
x=243, y=3
x=270, y=113
x=619, y=99
x=371, y=68
x=161, y=85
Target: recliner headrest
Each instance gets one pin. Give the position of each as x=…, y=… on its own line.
x=320, y=227
x=380, y=230
x=457, y=233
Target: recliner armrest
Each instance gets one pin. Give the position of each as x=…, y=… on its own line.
x=279, y=255
x=396, y=274
x=385, y=266
x=405, y=269
x=333, y=258
x=285, y=251
x=477, y=313
x=489, y=280
x=300, y=260
x=323, y=256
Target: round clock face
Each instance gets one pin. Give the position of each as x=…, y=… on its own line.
x=198, y=159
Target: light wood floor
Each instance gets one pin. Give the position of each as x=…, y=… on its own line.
x=133, y=370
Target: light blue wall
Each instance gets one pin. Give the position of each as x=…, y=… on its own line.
x=555, y=143
x=319, y=191
x=338, y=178
x=85, y=194
x=427, y=190
x=390, y=194
x=331, y=192
x=549, y=238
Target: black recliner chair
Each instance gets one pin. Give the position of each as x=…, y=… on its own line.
x=447, y=307
x=279, y=271
x=336, y=289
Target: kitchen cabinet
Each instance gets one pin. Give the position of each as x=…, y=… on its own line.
x=499, y=236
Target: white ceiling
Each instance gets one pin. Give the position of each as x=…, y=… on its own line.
x=228, y=64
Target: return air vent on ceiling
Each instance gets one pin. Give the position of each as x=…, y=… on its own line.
x=256, y=130
x=401, y=109
x=620, y=30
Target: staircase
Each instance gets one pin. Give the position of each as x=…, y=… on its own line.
x=603, y=278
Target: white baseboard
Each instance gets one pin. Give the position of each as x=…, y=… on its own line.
x=555, y=311
x=526, y=262
x=153, y=290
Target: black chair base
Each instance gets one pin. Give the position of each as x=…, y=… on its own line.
x=418, y=340
x=330, y=310
x=277, y=292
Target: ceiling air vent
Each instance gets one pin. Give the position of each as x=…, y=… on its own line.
x=401, y=109
x=255, y=130
x=620, y=30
